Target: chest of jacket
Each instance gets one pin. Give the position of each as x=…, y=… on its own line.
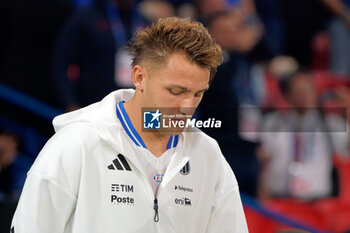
x=115, y=193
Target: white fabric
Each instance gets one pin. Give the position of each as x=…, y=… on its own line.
x=70, y=189
x=155, y=167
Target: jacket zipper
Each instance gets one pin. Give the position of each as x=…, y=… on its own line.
x=155, y=201
x=155, y=207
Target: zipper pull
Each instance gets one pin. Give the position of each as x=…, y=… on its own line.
x=155, y=207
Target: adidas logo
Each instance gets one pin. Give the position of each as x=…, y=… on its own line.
x=119, y=163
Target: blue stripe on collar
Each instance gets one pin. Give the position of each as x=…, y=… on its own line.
x=170, y=143
x=176, y=139
x=127, y=125
x=131, y=131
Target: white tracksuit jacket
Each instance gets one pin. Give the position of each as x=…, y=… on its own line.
x=87, y=179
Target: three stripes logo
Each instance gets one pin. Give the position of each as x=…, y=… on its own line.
x=119, y=163
x=186, y=169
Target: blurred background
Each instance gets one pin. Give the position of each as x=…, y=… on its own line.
x=282, y=93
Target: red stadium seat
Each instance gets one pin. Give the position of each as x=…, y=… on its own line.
x=258, y=223
x=343, y=166
x=326, y=80
x=320, y=51
x=337, y=210
x=298, y=210
x=336, y=214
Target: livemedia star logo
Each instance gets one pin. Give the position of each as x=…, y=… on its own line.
x=167, y=120
x=151, y=120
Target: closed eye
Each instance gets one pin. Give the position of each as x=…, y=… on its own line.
x=199, y=93
x=176, y=91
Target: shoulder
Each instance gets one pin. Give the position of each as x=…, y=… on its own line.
x=204, y=148
x=74, y=135
x=64, y=150
x=79, y=131
x=210, y=155
x=209, y=143
x=62, y=159
x=200, y=141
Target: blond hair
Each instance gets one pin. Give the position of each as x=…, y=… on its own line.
x=172, y=35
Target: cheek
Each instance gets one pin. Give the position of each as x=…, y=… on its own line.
x=197, y=101
x=161, y=98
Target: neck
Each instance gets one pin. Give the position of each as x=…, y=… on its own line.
x=155, y=142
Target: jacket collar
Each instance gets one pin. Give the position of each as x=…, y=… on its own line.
x=131, y=131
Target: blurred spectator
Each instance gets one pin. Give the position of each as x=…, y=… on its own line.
x=301, y=20
x=12, y=177
x=278, y=67
x=298, y=144
x=339, y=31
x=90, y=59
x=270, y=14
x=222, y=100
x=243, y=45
x=261, y=13
x=187, y=11
x=13, y=167
x=8, y=154
x=282, y=65
x=232, y=32
x=152, y=10
x=13, y=170
x=209, y=7
x=28, y=31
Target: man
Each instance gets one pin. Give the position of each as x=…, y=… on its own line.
x=298, y=144
x=232, y=89
x=100, y=172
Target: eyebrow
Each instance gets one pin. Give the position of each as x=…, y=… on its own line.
x=185, y=89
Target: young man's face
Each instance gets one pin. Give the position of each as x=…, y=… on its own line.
x=179, y=85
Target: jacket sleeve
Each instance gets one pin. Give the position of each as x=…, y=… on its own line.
x=227, y=215
x=50, y=191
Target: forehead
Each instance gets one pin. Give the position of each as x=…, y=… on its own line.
x=179, y=69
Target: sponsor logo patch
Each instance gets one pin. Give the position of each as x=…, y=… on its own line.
x=122, y=188
x=182, y=188
x=186, y=169
x=119, y=192
x=183, y=201
x=118, y=200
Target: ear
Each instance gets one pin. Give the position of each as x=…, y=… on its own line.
x=138, y=76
